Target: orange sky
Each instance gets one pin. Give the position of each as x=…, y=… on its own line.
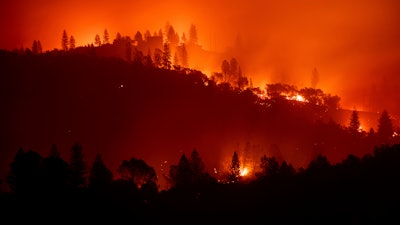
x=355, y=45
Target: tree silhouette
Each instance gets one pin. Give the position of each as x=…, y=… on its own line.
x=193, y=35
x=147, y=34
x=172, y=37
x=106, y=37
x=147, y=59
x=319, y=165
x=35, y=49
x=78, y=166
x=385, y=126
x=97, y=40
x=354, y=125
x=269, y=166
x=233, y=67
x=128, y=50
x=313, y=96
x=26, y=174
x=138, y=38
x=197, y=167
x=196, y=163
x=100, y=177
x=158, y=57
x=184, y=56
x=39, y=47
x=54, y=151
x=184, y=173
x=286, y=169
x=15, y=171
x=176, y=60
x=234, y=168
x=56, y=171
x=166, y=57
x=137, y=171
x=242, y=80
x=64, y=41
x=172, y=176
x=118, y=38
x=72, y=42
x=189, y=173
x=225, y=67
x=183, y=38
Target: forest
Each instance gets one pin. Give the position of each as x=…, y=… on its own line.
x=107, y=132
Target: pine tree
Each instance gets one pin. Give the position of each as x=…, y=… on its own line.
x=225, y=67
x=197, y=166
x=158, y=57
x=106, y=37
x=184, y=176
x=193, y=35
x=166, y=62
x=269, y=166
x=35, y=50
x=57, y=173
x=72, y=42
x=385, y=126
x=147, y=60
x=64, y=41
x=39, y=46
x=97, y=40
x=138, y=37
x=147, y=34
x=118, y=38
x=354, y=125
x=234, y=169
x=183, y=38
x=100, y=177
x=26, y=173
x=78, y=166
x=176, y=60
x=54, y=151
x=184, y=55
x=13, y=179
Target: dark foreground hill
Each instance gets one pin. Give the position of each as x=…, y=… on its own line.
x=354, y=191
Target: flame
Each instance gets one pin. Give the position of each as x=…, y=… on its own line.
x=244, y=171
x=297, y=97
x=360, y=129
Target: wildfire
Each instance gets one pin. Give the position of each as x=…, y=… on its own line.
x=244, y=171
x=300, y=98
x=297, y=97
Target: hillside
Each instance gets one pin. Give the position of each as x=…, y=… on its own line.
x=122, y=109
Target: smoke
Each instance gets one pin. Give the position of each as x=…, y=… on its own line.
x=354, y=45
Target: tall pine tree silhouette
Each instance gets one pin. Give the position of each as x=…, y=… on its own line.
x=78, y=166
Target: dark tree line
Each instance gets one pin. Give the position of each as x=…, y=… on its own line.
x=355, y=190
x=162, y=50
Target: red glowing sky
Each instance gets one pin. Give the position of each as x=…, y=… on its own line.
x=355, y=45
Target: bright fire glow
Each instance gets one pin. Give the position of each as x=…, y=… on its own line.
x=297, y=97
x=360, y=129
x=244, y=172
x=300, y=98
